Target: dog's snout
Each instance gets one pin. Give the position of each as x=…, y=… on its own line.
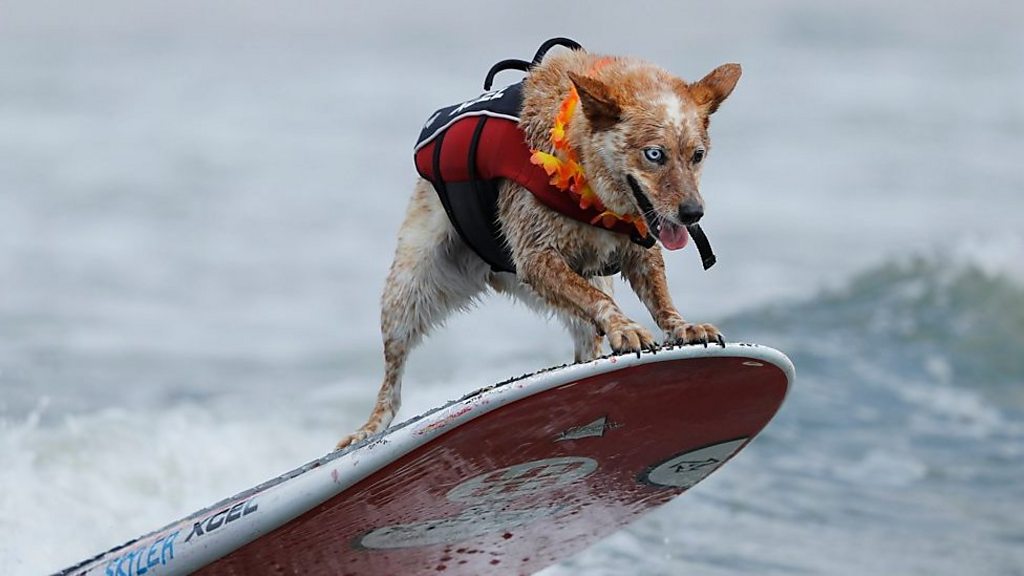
x=690, y=213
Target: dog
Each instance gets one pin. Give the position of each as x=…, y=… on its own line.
x=614, y=133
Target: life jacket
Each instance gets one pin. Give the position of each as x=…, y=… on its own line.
x=465, y=151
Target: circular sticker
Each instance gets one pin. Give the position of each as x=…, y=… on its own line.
x=522, y=479
x=688, y=468
x=487, y=495
x=474, y=521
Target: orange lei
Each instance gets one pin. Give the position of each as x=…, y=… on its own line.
x=567, y=174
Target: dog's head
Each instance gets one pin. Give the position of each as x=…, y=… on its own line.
x=645, y=141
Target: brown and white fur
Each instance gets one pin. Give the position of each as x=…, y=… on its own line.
x=627, y=106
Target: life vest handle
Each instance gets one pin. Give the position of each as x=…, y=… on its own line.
x=510, y=64
x=523, y=65
x=549, y=44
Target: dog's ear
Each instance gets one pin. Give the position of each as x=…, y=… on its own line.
x=710, y=91
x=599, y=106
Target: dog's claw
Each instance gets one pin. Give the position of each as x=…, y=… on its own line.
x=628, y=337
x=690, y=334
x=351, y=439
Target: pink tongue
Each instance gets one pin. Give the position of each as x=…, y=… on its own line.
x=673, y=237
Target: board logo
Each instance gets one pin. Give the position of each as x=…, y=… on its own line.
x=221, y=518
x=143, y=559
x=686, y=469
x=485, y=97
x=487, y=495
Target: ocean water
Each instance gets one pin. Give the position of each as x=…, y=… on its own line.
x=198, y=205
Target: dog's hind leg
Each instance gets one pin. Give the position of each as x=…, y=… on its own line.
x=586, y=339
x=434, y=273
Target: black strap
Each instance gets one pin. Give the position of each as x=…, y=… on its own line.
x=439, y=184
x=472, y=206
x=435, y=161
x=510, y=64
x=707, y=257
x=494, y=251
x=523, y=65
x=645, y=241
x=474, y=144
x=549, y=44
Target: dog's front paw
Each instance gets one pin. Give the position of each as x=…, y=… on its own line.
x=686, y=333
x=628, y=336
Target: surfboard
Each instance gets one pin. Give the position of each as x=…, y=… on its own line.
x=507, y=480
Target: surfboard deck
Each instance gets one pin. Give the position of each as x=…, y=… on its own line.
x=508, y=480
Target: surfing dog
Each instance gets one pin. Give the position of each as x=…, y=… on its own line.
x=617, y=134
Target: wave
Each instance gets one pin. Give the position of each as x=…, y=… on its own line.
x=946, y=320
x=113, y=474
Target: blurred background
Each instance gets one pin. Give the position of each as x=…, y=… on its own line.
x=198, y=207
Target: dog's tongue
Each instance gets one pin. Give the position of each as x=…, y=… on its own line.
x=673, y=237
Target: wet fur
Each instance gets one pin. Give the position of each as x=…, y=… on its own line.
x=625, y=105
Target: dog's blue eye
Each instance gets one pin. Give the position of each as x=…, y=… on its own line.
x=698, y=155
x=655, y=154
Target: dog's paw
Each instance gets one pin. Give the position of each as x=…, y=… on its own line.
x=353, y=438
x=628, y=336
x=686, y=333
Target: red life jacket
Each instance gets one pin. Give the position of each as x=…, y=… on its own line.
x=466, y=149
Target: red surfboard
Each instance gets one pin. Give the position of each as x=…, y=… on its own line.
x=508, y=480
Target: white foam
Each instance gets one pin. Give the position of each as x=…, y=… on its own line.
x=91, y=482
x=950, y=411
x=997, y=253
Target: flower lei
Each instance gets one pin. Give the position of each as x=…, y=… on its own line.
x=567, y=174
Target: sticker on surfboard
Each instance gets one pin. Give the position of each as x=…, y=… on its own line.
x=688, y=468
x=486, y=495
